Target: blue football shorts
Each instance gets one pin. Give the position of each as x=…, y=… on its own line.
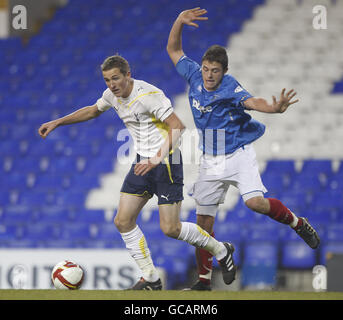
x=165, y=180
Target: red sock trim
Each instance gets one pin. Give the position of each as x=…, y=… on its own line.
x=279, y=212
x=204, y=263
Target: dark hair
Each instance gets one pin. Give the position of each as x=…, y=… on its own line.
x=116, y=61
x=218, y=54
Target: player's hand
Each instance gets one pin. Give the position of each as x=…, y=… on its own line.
x=46, y=128
x=144, y=166
x=285, y=101
x=189, y=16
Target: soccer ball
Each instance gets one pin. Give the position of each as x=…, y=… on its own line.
x=67, y=275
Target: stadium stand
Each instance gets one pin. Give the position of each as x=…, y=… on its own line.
x=63, y=191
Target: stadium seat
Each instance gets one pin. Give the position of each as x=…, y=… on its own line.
x=297, y=255
x=19, y=214
x=278, y=167
x=266, y=232
x=91, y=216
x=316, y=167
x=53, y=214
x=9, y=232
x=76, y=231
x=259, y=265
x=41, y=232
x=108, y=231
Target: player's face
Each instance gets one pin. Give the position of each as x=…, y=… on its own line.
x=118, y=83
x=212, y=74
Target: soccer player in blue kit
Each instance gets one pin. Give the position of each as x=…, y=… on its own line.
x=218, y=103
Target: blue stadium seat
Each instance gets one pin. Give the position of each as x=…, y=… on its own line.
x=91, y=216
x=70, y=198
x=53, y=214
x=9, y=232
x=280, y=167
x=313, y=167
x=76, y=232
x=295, y=200
x=333, y=233
x=108, y=231
x=241, y=214
x=310, y=182
x=4, y=198
x=259, y=264
x=328, y=200
x=21, y=244
x=266, y=232
x=335, y=183
x=41, y=232
x=297, y=255
x=171, y=256
x=19, y=214
x=59, y=244
x=151, y=227
x=229, y=231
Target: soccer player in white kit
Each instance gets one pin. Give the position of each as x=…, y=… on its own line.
x=218, y=102
x=155, y=129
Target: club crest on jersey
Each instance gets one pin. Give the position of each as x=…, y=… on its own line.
x=238, y=89
x=196, y=105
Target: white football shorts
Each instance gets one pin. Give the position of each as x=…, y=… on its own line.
x=218, y=173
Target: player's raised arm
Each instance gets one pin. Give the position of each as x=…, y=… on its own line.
x=174, y=46
x=277, y=106
x=79, y=115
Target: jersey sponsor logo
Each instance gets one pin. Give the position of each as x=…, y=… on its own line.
x=238, y=89
x=196, y=105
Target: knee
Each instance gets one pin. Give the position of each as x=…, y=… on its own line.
x=171, y=230
x=258, y=204
x=123, y=224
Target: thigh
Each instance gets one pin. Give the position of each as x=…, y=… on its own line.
x=248, y=177
x=208, y=193
x=169, y=214
x=128, y=209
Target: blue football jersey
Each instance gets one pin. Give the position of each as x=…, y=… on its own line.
x=219, y=115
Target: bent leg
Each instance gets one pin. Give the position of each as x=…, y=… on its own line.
x=187, y=231
x=274, y=209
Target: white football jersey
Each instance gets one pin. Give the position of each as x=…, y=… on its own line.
x=143, y=113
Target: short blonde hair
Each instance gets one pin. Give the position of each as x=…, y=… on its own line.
x=116, y=61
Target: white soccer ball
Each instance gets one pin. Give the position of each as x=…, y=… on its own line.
x=67, y=275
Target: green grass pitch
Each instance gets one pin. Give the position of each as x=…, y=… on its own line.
x=8, y=294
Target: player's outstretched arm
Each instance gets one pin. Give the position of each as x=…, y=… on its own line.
x=79, y=115
x=174, y=46
x=277, y=106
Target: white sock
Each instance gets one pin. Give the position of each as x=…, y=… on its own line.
x=138, y=248
x=294, y=223
x=196, y=236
